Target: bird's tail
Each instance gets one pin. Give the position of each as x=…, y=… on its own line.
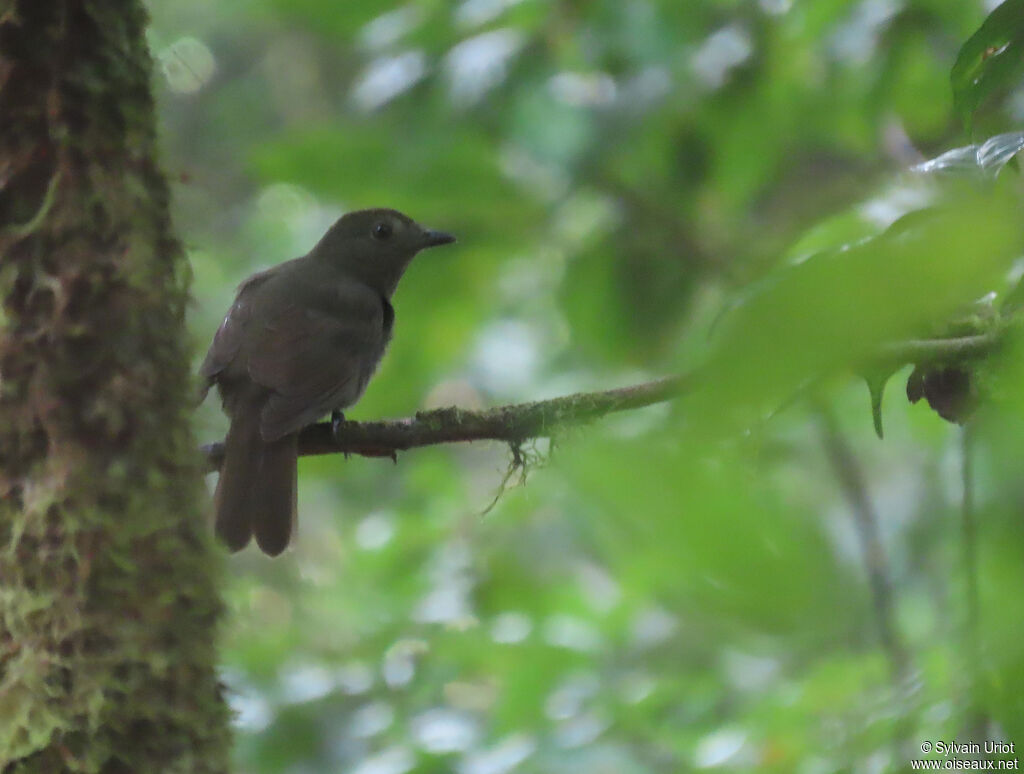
x=256, y=492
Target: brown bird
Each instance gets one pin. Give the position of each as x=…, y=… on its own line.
x=301, y=340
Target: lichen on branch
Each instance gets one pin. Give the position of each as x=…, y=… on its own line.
x=516, y=423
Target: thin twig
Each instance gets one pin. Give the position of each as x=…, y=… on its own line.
x=969, y=546
x=969, y=535
x=956, y=349
x=854, y=485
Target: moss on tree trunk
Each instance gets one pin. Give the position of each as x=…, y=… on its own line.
x=108, y=580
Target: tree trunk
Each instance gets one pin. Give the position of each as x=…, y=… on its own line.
x=108, y=580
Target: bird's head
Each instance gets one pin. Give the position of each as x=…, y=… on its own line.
x=376, y=246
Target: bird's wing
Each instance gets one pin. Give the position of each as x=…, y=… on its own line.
x=227, y=341
x=313, y=361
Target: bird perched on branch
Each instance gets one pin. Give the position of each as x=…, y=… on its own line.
x=301, y=340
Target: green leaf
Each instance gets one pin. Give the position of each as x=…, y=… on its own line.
x=876, y=377
x=834, y=310
x=992, y=58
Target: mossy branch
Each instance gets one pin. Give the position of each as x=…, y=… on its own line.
x=516, y=423
x=512, y=424
x=942, y=350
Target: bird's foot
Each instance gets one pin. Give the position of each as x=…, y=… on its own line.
x=337, y=419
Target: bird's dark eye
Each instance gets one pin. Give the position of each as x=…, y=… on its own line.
x=382, y=230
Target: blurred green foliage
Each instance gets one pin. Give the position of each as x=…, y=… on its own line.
x=991, y=60
x=638, y=187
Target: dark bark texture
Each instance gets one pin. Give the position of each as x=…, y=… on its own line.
x=109, y=599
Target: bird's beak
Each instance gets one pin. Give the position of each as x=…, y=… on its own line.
x=433, y=238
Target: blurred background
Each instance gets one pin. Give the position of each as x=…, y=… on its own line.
x=654, y=597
